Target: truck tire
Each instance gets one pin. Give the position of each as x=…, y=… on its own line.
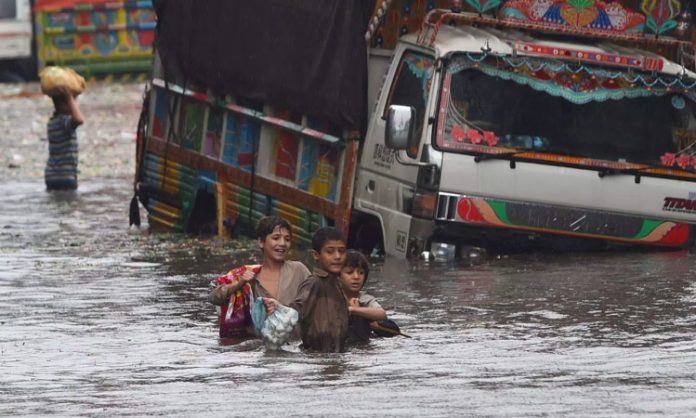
x=368, y=235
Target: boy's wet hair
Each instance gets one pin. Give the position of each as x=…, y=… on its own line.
x=356, y=259
x=325, y=234
x=268, y=224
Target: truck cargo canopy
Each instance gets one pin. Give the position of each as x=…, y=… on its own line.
x=308, y=57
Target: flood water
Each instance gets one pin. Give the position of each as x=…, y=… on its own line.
x=100, y=320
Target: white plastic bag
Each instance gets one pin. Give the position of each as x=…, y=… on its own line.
x=277, y=327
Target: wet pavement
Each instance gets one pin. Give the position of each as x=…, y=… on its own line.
x=99, y=319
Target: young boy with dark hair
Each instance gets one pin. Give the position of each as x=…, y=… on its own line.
x=276, y=277
x=321, y=303
x=363, y=308
x=61, y=167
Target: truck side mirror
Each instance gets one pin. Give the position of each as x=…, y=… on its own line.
x=399, y=131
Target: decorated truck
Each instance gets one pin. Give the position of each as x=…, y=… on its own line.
x=422, y=125
x=97, y=38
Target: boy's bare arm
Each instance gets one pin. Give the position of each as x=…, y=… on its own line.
x=75, y=113
x=72, y=107
x=373, y=314
x=221, y=295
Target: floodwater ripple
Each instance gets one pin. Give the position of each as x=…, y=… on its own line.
x=100, y=319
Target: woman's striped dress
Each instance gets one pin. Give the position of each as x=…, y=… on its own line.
x=61, y=168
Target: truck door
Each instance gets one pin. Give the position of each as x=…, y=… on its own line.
x=385, y=188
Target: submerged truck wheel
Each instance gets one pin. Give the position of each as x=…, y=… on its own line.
x=203, y=219
x=366, y=234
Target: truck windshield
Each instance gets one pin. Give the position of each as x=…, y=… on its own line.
x=569, y=111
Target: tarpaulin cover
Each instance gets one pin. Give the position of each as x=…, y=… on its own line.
x=305, y=56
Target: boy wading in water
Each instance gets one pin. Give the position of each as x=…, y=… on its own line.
x=364, y=309
x=277, y=277
x=61, y=167
x=320, y=302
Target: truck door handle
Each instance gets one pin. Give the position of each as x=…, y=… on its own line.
x=370, y=186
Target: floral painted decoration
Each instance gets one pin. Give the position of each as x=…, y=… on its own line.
x=482, y=6
x=668, y=159
x=660, y=14
x=474, y=136
x=590, y=14
x=682, y=161
x=458, y=133
x=490, y=138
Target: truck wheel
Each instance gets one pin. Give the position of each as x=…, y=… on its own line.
x=368, y=235
x=413, y=250
x=203, y=218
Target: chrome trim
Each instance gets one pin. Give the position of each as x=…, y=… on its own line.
x=446, y=206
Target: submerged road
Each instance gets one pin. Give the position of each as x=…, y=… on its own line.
x=97, y=319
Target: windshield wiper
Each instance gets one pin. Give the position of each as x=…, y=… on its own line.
x=616, y=171
x=499, y=156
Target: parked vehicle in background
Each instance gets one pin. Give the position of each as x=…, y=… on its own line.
x=16, y=52
x=97, y=38
x=511, y=124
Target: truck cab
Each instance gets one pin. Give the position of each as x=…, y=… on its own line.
x=515, y=138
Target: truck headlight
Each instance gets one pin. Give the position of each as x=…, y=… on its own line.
x=424, y=204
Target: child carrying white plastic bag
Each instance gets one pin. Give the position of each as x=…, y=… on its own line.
x=275, y=328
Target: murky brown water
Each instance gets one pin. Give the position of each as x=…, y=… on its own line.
x=99, y=320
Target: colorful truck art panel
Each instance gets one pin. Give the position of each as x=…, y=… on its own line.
x=318, y=161
x=401, y=17
x=659, y=15
x=319, y=169
x=286, y=148
x=394, y=18
x=241, y=138
x=191, y=124
x=242, y=208
x=176, y=184
x=572, y=222
x=239, y=142
x=212, y=142
x=222, y=138
x=160, y=114
x=95, y=37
